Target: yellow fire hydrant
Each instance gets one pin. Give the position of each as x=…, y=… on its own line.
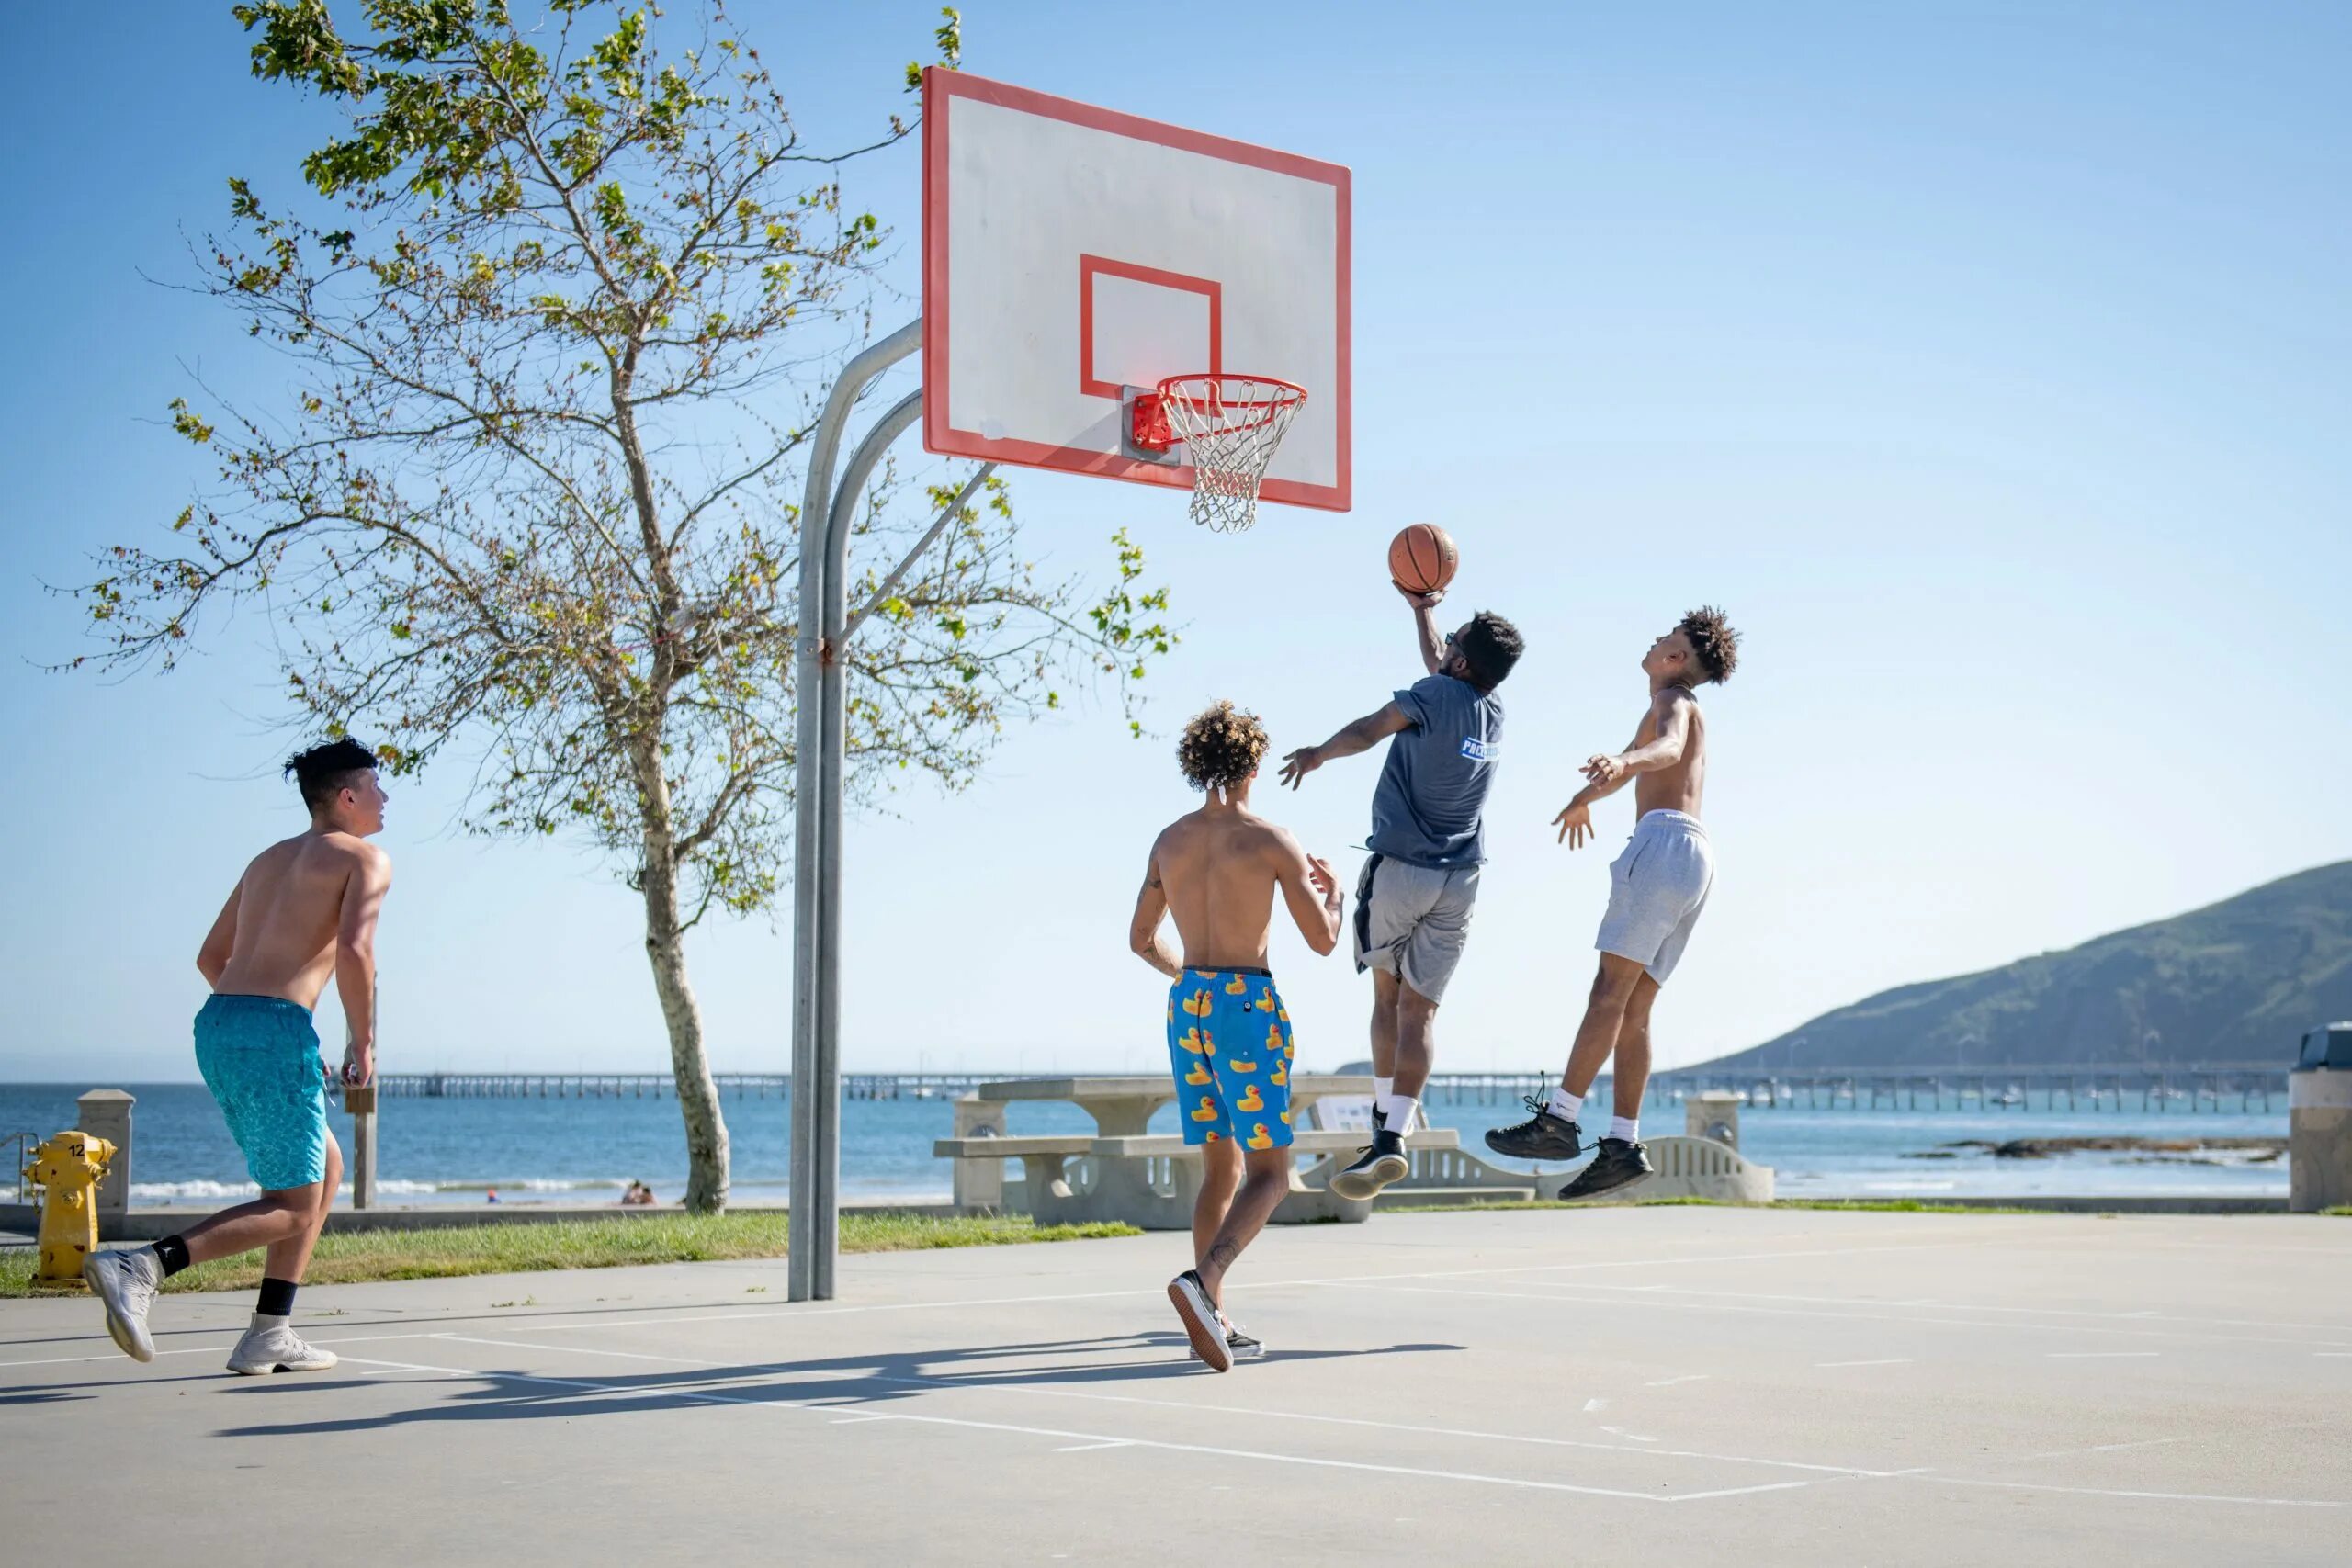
x=68, y=1168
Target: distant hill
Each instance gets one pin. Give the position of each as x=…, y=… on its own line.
x=2238, y=981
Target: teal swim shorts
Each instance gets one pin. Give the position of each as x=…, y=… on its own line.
x=1230, y=1048
x=260, y=1058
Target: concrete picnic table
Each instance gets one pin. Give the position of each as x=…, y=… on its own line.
x=1123, y=1104
x=1120, y=1182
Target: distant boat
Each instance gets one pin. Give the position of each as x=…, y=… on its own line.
x=2010, y=1096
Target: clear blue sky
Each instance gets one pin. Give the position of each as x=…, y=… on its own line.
x=1986, y=361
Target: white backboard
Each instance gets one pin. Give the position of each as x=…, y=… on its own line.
x=1071, y=251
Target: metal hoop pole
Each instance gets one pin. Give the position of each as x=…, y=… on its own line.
x=814, y=1239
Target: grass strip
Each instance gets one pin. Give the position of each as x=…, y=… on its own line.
x=358, y=1256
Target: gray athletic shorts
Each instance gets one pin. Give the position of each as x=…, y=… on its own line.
x=1413, y=921
x=1655, y=891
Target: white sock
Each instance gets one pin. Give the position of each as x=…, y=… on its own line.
x=1396, y=1112
x=1380, y=1089
x=1562, y=1104
x=1626, y=1127
x=262, y=1325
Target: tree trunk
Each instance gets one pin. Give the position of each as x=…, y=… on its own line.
x=707, y=1174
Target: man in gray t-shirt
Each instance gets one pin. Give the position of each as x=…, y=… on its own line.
x=1427, y=840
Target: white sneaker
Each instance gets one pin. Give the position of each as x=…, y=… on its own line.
x=272, y=1345
x=126, y=1282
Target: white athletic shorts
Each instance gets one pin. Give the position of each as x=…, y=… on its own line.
x=1655, y=891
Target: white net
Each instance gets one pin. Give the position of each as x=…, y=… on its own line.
x=1231, y=426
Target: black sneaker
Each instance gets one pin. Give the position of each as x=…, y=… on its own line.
x=1378, y=1163
x=1203, y=1323
x=1379, y=1117
x=1542, y=1136
x=1617, y=1162
x=1240, y=1343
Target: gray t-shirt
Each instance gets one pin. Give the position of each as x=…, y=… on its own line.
x=1432, y=793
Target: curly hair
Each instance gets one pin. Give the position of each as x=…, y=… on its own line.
x=1221, y=747
x=1716, y=644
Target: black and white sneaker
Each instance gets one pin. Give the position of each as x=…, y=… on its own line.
x=1378, y=1164
x=1237, y=1340
x=1203, y=1324
x=1542, y=1136
x=1619, y=1162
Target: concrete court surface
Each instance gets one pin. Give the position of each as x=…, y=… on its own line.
x=1671, y=1384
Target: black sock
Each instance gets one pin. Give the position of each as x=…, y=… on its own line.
x=276, y=1298
x=172, y=1251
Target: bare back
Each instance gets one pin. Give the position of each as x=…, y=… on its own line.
x=289, y=909
x=1220, y=870
x=1678, y=786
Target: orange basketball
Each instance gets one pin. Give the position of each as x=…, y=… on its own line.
x=1421, y=557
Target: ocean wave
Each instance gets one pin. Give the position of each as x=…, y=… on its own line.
x=173, y=1192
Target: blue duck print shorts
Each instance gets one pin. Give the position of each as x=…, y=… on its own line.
x=1229, y=1046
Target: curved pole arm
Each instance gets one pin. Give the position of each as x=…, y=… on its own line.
x=947, y=514
x=846, y=500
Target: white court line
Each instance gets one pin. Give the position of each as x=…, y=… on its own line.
x=1593, y=1406
x=794, y=1311
x=1886, y=1361
x=2118, y=1492
x=2100, y=1354
x=2094, y=1448
x=1090, y=1447
x=951, y=1385
x=1418, y=1472
x=230, y=1343
x=1858, y=1317
x=1961, y=1306
x=1669, y=1383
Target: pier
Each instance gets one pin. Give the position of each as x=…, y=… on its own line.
x=2237, y=1086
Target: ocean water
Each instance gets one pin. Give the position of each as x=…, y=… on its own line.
x=455, y=1151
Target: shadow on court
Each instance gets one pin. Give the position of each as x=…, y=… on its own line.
x=512, y=1394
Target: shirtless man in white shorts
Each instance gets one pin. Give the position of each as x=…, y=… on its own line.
x=1656, y=889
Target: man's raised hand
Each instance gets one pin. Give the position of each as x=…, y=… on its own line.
x=1418, y=601
x=1299, y=764
x=1326, y=880
x=1576, y=825
x=1604, y=770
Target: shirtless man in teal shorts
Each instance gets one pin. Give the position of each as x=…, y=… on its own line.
x=1216, y=871
x=304, y=909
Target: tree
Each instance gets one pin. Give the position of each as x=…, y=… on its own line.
x=558, y=346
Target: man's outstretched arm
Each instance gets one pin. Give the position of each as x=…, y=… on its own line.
x=355, y=959
x=1672, y=713
x=1144, y=935
x=1575, y=820
x=1361, y=736
x=1426, y=637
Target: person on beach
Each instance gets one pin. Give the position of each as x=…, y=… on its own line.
x=1217, y=870
x=304, y=909
x=1656, y=889
x=1415, y=895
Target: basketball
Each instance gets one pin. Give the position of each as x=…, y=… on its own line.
x=1421, y=557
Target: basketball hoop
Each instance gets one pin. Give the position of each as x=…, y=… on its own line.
x=1231, y=426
